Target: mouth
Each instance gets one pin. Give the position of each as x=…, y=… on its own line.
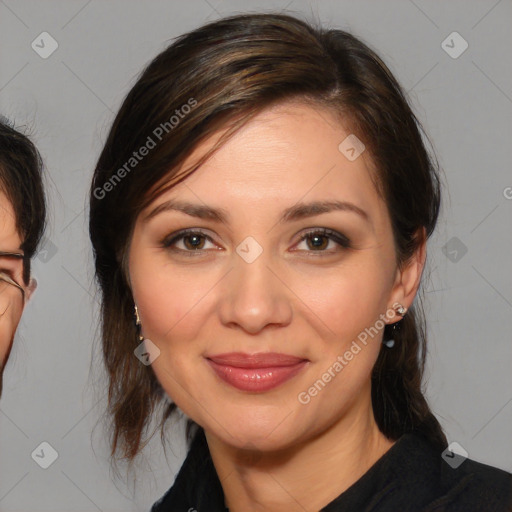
x=256, y=372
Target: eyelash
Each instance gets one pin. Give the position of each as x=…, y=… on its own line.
x=170, y=240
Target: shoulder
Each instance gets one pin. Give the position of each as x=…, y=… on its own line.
x=417, y=476
x=474, y=486
x=462, y=485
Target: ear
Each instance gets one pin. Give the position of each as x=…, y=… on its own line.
x=408, y=278
x=30, y=289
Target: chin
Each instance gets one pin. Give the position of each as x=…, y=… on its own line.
x=249, y=439
x=273, y=431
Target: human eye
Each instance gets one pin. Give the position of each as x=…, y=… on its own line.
x=323, y=241
x=187, y=242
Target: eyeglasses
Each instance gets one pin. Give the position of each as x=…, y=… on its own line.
x=9, y=288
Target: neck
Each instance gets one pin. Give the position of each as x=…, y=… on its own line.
x=306, y=476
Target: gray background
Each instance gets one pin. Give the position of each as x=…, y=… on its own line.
x=52, y=390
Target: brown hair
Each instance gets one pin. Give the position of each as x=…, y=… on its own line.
x=220, y=76
x=21, y=181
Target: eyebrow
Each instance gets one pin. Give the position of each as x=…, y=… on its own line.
x=296, y=212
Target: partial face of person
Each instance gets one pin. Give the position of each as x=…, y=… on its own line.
x=258, y=276
x=12, y=289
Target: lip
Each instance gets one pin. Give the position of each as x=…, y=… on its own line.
x=256, y=372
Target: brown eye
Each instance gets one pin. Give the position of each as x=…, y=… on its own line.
x=194, y=241
x=316, y=241
x=319, y=240
x=187, y=241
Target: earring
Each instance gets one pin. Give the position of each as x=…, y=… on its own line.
x=137, y=324
x=389, y=340
x=401, y=310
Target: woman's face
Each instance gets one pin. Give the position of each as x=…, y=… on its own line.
x=274, y=275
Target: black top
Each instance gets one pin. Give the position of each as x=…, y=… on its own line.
x=412, y=476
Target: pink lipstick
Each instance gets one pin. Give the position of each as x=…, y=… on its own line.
x=256, y=372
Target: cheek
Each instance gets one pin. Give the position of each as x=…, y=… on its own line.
x=172, y=316
x=169, y=301
x=347, y=299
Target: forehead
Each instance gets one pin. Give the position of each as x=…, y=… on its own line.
x=9, y=237
x=286, y=153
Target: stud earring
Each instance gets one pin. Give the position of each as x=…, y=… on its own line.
x=401, y=310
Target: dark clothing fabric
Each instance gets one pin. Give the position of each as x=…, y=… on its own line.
x=412, y=476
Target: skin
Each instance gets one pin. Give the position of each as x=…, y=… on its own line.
x=272, y=452
x=12, y=301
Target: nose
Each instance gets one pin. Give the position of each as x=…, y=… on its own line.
x=254, y=296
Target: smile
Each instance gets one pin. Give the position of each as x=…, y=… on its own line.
x=256, y=372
